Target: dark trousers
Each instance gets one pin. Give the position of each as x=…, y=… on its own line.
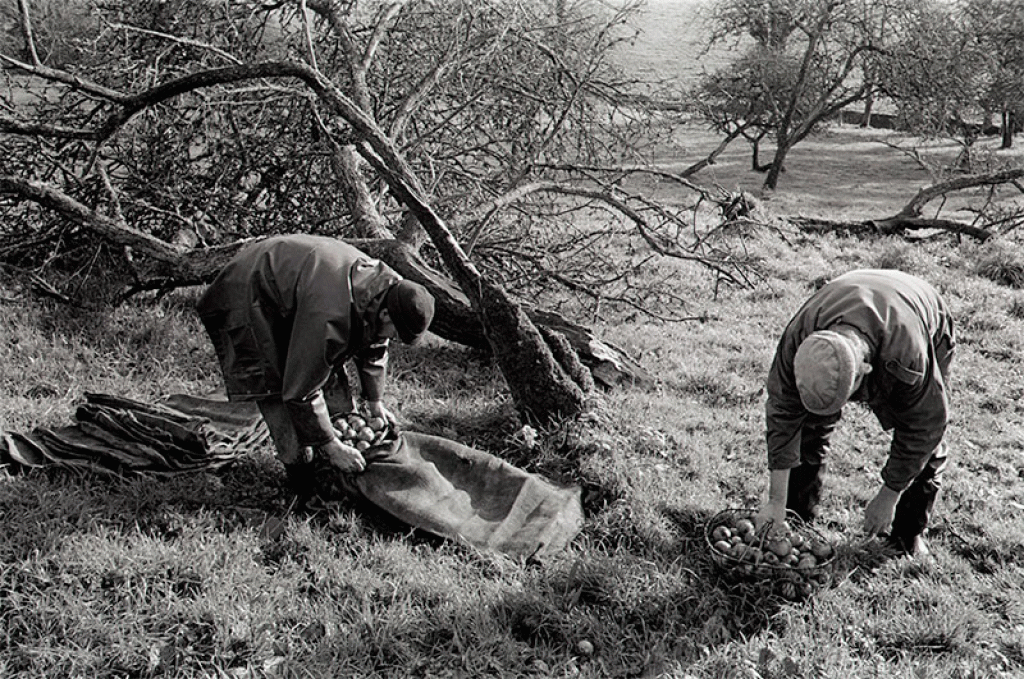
x=917, y=502
x=806, y=481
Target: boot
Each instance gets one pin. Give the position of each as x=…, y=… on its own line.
x=915, y=546
x=805, y=484
x=915, y=508
x=302, y=481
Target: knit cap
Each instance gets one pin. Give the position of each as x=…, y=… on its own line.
x=825, y=369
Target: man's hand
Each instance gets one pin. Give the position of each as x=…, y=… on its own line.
x=879, y=513
x=377, y=409
x=774, y=509
x=772, y=514
x=343, y=457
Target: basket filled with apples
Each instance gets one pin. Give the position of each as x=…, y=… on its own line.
x=796, y=561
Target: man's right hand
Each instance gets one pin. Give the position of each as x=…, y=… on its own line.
x=343, y=457
x=772, y=514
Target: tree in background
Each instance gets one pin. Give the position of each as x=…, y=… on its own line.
x=998, y=28
x=936, y=75
x=807, y=62
x=482, y=139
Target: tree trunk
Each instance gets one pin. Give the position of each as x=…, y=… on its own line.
x=1009, y=120
x=543, y=389
x=771, y=180
x=456, y=321
x=755, y=161
x=367, y=221
x=869, y=104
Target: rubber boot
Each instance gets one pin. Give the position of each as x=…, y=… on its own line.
x=915, y=506
x=805, y=485
x=302, y=481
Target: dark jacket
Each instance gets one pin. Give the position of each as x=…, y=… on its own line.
x=912, y=344
x=289, y=311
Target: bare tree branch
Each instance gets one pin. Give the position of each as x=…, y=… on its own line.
x=177, y=39
x=930, y=193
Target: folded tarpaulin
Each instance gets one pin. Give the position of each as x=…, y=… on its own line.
x=117, y=434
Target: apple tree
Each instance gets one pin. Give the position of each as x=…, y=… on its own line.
x=477, y=147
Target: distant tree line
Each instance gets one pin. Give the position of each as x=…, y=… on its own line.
x=953, y=69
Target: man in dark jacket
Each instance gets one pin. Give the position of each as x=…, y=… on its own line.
x=881, y=337
x=284, y=315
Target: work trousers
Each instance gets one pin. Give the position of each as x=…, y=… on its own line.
x=806, y=481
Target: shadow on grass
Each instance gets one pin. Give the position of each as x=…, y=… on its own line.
x=747, y=606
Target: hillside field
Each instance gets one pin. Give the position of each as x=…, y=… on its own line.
x=215, y=575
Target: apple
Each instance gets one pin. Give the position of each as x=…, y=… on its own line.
x=377, y=423
x=356, y=421
x=780, y=547
x=723, y=546
x=365, y=434
x=739, y=550
x=362, y=445
x=771, y=558
x=745, y=526
x=721, y=532
x=736, y=539
x=806, y=562
x=821, y=549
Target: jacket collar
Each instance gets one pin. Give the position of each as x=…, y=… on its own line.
x=370, y=279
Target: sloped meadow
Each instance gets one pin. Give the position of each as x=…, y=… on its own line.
x=215, y=574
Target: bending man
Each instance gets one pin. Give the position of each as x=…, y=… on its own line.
x=284, y=315
x=881, y=337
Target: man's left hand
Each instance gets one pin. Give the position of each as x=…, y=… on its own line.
x=880, y=511
x=377, y=409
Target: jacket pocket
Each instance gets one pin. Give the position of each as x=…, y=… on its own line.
x=902, y=373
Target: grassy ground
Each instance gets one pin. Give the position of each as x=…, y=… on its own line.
x=189, y=577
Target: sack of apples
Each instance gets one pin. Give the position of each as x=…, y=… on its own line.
x=797, y=562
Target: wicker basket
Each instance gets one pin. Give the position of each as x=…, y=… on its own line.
x=796, y=567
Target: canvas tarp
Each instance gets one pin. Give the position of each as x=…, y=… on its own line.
x=118, y=435
x=427, y=482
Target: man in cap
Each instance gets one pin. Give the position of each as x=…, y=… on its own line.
x=883, y=338
x=285, y=315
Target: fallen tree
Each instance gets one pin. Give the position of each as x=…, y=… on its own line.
x=456, y=319
x=175, y=132
x=909, y=217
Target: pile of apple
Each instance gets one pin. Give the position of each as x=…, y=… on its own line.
x=360, y=432
x=796, y=555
